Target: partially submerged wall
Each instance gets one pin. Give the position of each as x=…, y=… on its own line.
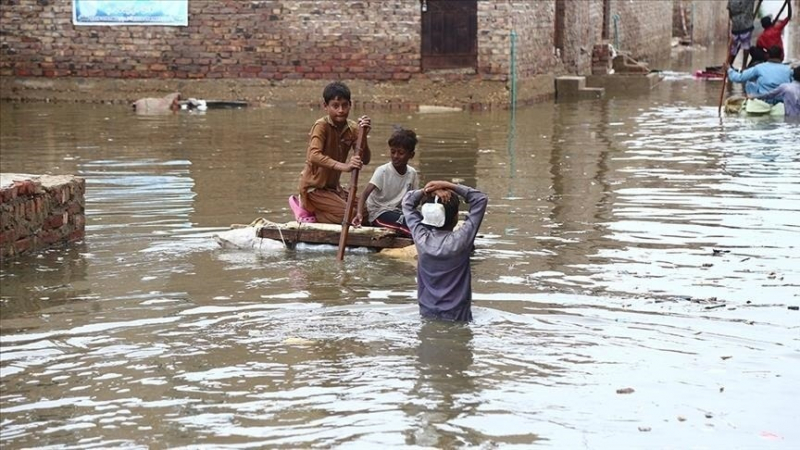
x=268, y=39
x=641, y=27
x=700, y=22
x=37, y=212
x=278, y=43
x=265, y=43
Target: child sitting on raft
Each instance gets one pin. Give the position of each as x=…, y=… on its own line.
x=389, y=184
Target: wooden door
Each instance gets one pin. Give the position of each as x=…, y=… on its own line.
x=449, y=34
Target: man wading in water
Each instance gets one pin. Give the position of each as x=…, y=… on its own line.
x=444, y=279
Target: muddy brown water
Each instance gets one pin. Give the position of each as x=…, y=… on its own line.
x=595, y=271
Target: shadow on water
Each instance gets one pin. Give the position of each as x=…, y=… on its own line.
x=636, y=242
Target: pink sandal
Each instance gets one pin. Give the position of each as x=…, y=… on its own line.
x=300, y=214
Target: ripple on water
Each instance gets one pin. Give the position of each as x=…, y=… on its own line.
x=627, y=245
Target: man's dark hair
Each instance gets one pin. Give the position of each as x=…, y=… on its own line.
x=337, y=89
x=774, y=52
x=766, y=22
x=758, y=54
x=450, y=208
x=403, y=138
x=796, y=73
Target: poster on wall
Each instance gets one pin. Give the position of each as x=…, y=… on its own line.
x=130, y=12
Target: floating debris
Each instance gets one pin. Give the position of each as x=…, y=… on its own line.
x=625, y=391
x=721, y=305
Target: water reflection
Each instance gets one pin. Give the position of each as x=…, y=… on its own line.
x=445, y=388
x=60, y=277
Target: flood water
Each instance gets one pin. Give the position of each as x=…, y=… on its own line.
x=636, y=242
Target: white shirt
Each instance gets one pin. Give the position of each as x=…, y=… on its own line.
x=390, y=187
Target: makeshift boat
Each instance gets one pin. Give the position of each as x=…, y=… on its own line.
x=753, y=107
x=292, y=233
x=710, y=73
x=264, y=235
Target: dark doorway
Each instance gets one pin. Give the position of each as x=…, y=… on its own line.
x=449, y=34
x=558, y=32
x=606, y=18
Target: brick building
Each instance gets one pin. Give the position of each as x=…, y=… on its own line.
x=274, y=43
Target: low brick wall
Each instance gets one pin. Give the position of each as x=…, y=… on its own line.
x=37, y=212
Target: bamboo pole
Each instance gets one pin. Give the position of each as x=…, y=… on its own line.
x=725, y=71
x=351, y=195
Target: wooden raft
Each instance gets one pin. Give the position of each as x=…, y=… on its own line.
x=327, y=233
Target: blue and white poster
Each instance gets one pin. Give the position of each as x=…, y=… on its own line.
x=130, y=12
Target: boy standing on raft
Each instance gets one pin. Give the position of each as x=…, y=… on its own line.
x=742, y=14
x=329, y=143
x=444, y=278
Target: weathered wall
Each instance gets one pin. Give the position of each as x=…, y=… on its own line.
x=533, y=24
x=264, y=40
x=272, y=39
x=583, y=29
x=701, y=22
x=792, y=47
x=270, y=43
x=39, y=212
x=643, y=28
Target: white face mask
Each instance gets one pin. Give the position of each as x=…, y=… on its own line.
x=433, y=213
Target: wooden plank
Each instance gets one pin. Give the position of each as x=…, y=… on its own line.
x=322, y=234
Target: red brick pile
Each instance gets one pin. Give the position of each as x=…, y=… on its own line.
x=38, y=212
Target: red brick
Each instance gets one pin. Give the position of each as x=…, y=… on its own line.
x=50, y=237
x=77, y=235
x=8, y=236
x=10, y=193
x=75, y=208
x=23, y=245
x=56, y=220
x=79, y=222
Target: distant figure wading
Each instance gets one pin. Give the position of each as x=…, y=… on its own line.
x=151, y=105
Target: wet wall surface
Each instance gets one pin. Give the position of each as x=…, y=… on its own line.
x=632, y=285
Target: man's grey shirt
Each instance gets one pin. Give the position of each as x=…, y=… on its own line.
x=444, y=279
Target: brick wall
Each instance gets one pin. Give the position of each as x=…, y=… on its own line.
x=224, y=39
x=702, y=22
x=39, y=212
x=310, y=39
x=282, y=41
x=272, y=39
x=644, y=28
x=584, y=28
